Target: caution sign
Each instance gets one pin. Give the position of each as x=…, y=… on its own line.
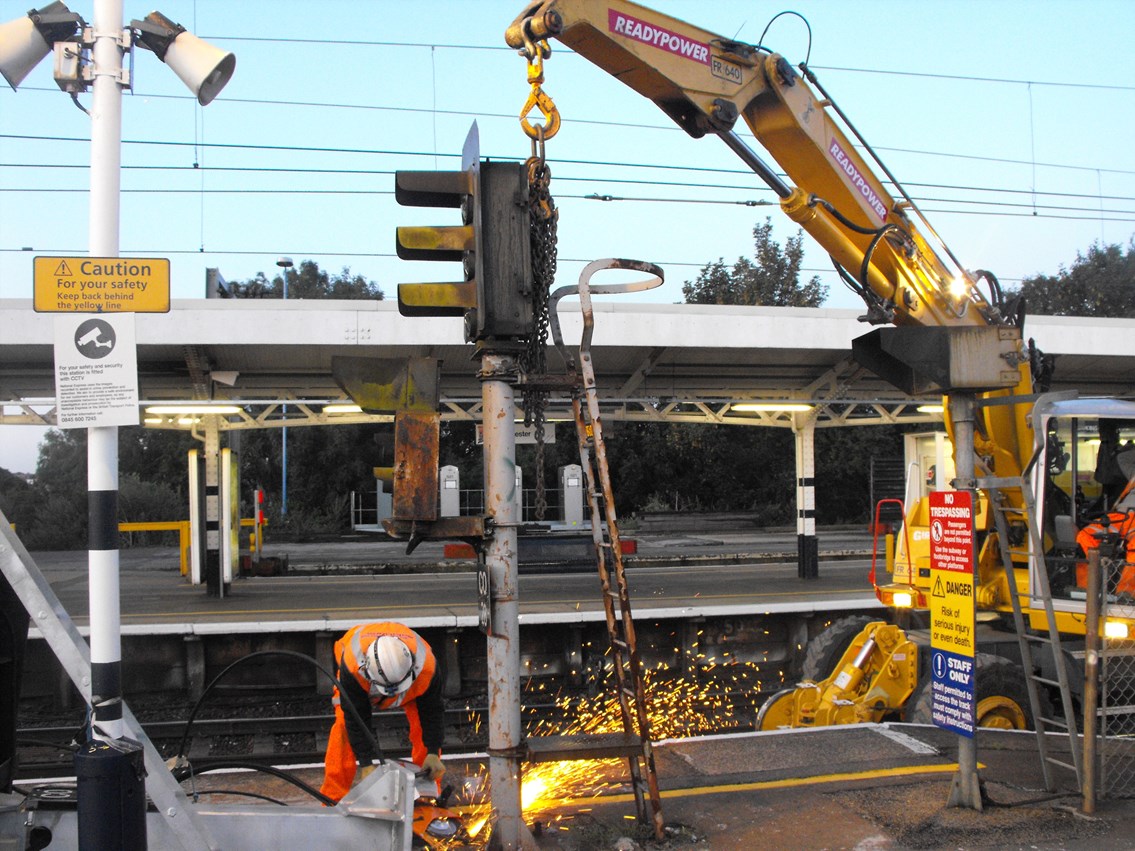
x=101, y=285
x=952, y=610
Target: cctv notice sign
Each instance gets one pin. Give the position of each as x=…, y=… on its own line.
x=96, y=371
x=952, y=611
x=101, y=285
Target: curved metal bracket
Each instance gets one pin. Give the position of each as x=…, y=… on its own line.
x=585, y=291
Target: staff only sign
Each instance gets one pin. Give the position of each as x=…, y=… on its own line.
x=952, y=611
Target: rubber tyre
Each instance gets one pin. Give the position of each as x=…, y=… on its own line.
x=825, y=650
x=1002, y=699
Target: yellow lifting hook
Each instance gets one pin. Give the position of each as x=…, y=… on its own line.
x=539, y=99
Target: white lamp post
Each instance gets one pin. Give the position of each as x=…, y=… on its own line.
x=285, y=263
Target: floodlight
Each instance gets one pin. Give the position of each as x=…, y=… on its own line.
x=193, y=408
x=774, y=407
x=1115, y=629
x=204, y=69
x=25, y=41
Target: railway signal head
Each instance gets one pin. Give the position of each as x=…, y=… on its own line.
x=492, y=244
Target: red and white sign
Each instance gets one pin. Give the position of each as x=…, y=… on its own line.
x=663, y=39
x=951, y=531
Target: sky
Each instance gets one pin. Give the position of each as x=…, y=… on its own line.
x=1009, y=122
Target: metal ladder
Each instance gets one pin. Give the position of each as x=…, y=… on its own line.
x=634, y=742
x=1034, y=548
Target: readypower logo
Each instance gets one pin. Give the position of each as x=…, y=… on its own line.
x=641, y=31
x=858, y=181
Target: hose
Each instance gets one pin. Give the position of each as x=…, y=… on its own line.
x=293, y=655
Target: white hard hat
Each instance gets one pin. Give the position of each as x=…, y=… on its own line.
x=389, y=665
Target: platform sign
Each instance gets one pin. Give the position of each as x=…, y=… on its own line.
x=484, y=597
x=96, y=371
x=952, y=610
x=101, y=284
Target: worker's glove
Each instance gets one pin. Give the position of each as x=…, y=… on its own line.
x=433, y=767
x=365, y=771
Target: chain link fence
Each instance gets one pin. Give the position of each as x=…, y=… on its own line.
x=1116, y=747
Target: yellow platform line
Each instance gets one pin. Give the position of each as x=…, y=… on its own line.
x=787, y=783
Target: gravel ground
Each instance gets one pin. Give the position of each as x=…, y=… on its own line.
x=916, y=817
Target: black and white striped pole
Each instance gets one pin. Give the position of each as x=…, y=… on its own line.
x=807, y=545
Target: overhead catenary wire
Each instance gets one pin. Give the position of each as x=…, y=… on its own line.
x=1096, y=200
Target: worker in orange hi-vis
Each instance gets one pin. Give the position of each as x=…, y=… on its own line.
x=380, y=666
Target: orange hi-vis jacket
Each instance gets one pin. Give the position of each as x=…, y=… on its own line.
x=347, y=745
x=1123, y=524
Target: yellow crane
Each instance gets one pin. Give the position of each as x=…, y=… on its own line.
x=1043, y=467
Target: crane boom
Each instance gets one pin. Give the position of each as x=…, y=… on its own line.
x=705, y=83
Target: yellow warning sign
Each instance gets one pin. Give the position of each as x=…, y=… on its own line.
x=101, y=284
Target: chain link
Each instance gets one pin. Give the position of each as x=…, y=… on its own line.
x=543, y=218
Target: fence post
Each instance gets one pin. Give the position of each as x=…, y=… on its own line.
x=1091, y=680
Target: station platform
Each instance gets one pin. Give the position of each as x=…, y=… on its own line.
x=877, y=787
x=334, y=585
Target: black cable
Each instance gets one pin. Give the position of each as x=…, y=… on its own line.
x=847, y=279
x=869, y=253
x=197, y=793
x=772, y=20
x=184, y=773
x=813, y=200
x=294, y=655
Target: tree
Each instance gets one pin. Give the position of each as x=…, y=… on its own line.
x=1101, y=283
x=308, y=281
x=772, y=280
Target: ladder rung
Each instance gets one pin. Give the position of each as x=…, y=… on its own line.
x=582, y=746
x=1055, y=722
x=1039, y=679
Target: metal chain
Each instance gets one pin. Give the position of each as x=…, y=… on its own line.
x=543, y=218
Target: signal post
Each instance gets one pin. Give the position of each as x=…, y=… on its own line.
x=495, y=299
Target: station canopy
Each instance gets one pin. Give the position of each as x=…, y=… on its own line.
x=654, y=362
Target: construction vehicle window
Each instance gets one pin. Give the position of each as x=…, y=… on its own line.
x=1089, y=466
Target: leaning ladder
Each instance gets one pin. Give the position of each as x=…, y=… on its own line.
x=1034, y=548
x=634, y=741
x=616, y=600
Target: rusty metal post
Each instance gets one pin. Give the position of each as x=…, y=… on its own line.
x=503, y=641
x=965, y=791
x=1091, y=679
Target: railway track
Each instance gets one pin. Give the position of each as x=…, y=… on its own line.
x=265, y=733
x=282, y=740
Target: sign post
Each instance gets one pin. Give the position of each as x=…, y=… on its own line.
x=952, y=562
